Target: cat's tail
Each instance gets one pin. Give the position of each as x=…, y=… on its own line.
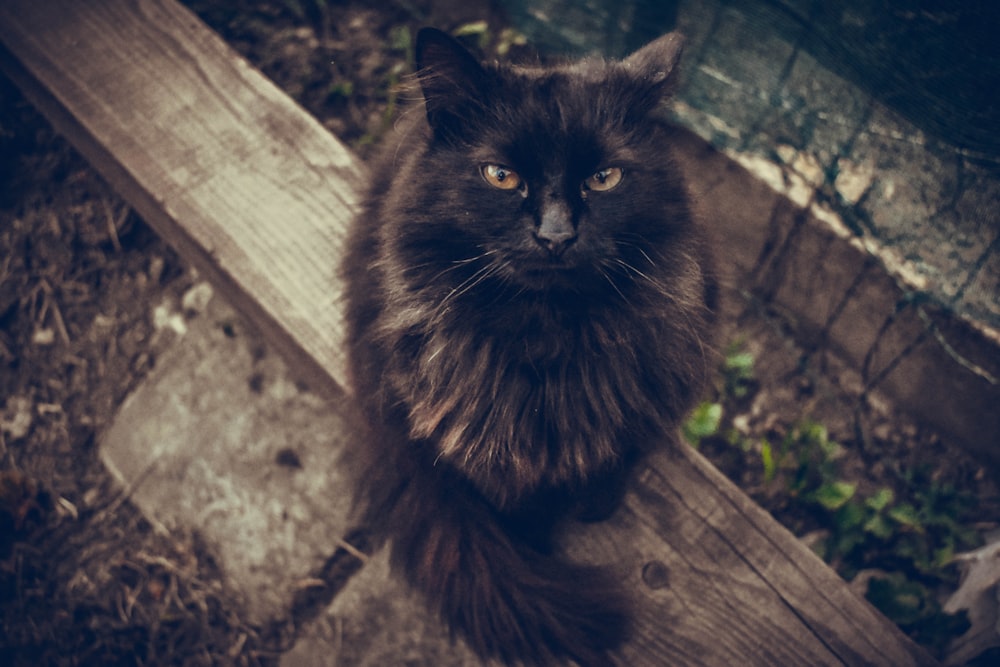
x=508, y=600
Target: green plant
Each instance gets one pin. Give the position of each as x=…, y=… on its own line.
x=910, y=534
x=737, y=371
x=811, y=458
x=477, y=31
x=400, y=40
x=910, y=604
x=901, y=537
x=478, y=34
x=702, y=422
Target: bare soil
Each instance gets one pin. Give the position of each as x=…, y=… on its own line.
x=84, y=579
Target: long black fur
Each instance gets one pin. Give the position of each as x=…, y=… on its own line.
x=508, y=386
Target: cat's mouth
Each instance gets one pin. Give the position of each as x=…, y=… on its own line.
x=547, y=273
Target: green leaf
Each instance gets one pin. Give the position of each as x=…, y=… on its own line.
x=830, y=448
x=815, y=433
x=400, y=38
x=740, y=361
x=737, y=371
x=882, y=499
x=943, y=556
x=703, y=422
x=846, y=543
x=767, y=458
x=834, y=495
x=480, y=30
x=508, y=38
x=879, y=527
x=906, y=515
x=898, y=598
x=472, y=28
x=341, y=89
x=849, y=517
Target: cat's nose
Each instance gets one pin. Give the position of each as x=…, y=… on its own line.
x=556, y=232
x=556, y=243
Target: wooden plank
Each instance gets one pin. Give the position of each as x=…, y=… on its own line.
x=714, y=579
x=257, y=194
x=722, y=583
x=245, y=184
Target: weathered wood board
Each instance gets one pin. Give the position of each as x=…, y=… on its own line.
x=246, y=185
x=257, y=195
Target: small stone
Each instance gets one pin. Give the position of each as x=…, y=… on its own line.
x=196, y=299
x=16, y=419
x=742, y=424
x=155, y=271
x=786, y=153
x=165, y=317
x=808, y=166
x=882, y=432
x=45, y=336
x=853, y=180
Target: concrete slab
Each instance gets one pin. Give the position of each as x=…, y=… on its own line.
x=220, y=440
x=375, y=621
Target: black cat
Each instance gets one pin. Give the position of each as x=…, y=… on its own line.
x=529, y=305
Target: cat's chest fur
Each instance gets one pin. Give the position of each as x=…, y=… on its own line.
x=536, y=392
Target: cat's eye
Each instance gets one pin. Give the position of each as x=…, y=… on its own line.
x=501, y=177
x=604, y=180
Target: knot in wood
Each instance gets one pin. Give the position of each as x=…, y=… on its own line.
x=655, y=574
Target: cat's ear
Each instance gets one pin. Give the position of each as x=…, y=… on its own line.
x=452, y=80
x=653, y=69
x=655, y=62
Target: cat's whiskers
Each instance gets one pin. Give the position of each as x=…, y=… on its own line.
x=643, y=252
x=640, y=244
x=684, y=309
x=459, y=263
x=611, y=281
x=470, y=283
x=660, y=287
x=463, y=262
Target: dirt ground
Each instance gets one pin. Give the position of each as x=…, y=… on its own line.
x=83, y=578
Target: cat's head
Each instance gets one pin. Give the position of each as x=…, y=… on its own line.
x=544, y=177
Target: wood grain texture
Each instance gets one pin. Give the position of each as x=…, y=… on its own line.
x=244, y=183
x=721, y=583
x=255, y=193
